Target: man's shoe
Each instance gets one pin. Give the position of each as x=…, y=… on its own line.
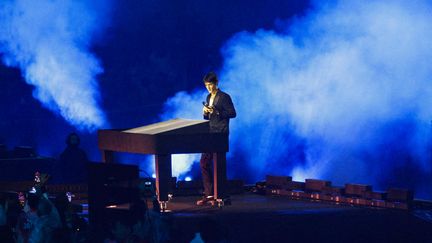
x=205, y=200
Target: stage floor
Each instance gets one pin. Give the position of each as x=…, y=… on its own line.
x=261, y=218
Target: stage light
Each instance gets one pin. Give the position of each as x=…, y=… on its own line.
x=32, y=190
x=154, y=175
x=69, y=196
x=188, y=178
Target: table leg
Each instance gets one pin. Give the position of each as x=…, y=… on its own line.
x=163, y=176
x=219, y=175
x=108, y=156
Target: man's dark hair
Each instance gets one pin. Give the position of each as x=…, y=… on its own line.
x=211, y=77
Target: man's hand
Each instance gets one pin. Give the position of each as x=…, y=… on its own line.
x=208, y=110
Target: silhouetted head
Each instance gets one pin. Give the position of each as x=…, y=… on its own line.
x=73, y=139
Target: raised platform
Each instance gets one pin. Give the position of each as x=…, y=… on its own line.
x=259, y=218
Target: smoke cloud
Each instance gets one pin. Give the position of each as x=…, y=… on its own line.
x=342, y=93
x=182, y=163
x=49, y=41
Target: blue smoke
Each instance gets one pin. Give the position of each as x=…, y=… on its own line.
x=342, y=93
x=182, y=163
x=49, y=41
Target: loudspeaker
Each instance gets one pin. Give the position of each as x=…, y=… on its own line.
x=277, y=181
x=400, y=195
x=313, y=185
x=357, y=190
x=109, y=184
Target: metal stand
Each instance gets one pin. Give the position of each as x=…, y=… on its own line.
x=163, y=206
x=220, y=203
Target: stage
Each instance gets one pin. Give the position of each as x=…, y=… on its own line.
x=264, y=218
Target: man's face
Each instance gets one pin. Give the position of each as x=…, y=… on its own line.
x=211, y=87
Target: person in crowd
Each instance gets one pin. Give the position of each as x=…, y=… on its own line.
x=71, y=166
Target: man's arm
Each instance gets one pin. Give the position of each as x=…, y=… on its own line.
x=206, y=112
x=228, y=110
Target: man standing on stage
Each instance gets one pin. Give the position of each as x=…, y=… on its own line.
x=218, y=109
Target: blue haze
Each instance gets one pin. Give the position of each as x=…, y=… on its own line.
x=49, y=41
x=342, y=93
x=339, y=92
